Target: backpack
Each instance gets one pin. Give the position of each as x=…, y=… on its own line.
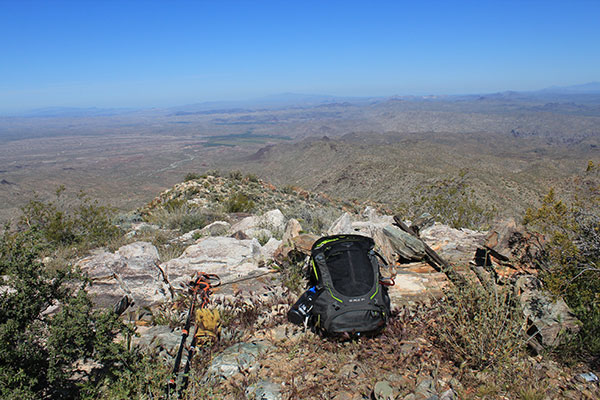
x=346, y=294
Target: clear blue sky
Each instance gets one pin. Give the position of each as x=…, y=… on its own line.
x=159, y=53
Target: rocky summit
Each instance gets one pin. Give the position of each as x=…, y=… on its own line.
x=259, y=246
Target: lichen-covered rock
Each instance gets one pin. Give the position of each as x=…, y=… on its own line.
x=550, y=317
x=383, y=391
x=406, y=246
x=236, y=358
x=263, y=390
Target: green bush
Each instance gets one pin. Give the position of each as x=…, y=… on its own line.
x=190, y=176
x=64, y=222
x=236, y=175
x=251, y=178
x=40, y=352
x=570, y=257
x=239, y=202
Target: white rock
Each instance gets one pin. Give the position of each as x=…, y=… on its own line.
x=245, y=224
x=140, y=250
x=133, y=270
x=292, y=229
x=228, y=257
x=341, y=225
x=259, y=233
x=270, y=247
x=273, y=220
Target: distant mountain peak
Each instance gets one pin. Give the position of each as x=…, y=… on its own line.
x=590, y=87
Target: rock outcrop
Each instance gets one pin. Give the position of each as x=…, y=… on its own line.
x=133, y=270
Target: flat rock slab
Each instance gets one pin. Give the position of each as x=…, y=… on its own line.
x=413, y=286
x=456, y=246
x=236, y=358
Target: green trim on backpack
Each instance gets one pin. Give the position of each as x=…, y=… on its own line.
x=375, y=294
x=331, y=293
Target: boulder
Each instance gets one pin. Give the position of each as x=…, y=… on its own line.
x=227, y=257
x=549, y=318
x=292, y=229
x=456, y=246
x=341, y=225
x=273, y=221
x=270, y=248
x=133, y=270
x=406, y=246
x=245, y=224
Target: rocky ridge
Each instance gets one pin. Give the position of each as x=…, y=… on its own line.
x=250, y=253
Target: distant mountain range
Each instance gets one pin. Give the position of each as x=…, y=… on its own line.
x=281, y=100
x=591, y=88
x=74, y=112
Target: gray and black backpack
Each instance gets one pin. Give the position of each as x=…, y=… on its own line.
x=345, y=294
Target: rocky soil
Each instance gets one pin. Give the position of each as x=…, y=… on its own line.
x=258, y=257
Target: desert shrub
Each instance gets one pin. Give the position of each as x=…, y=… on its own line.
x=570, y=257
x=236, y=175
x=145, y=379
x=315, y=220
x=251, y=178
x=40, y=351
x=477, y=328
x=169, y=251
x=288, y=189
x=64, y=222
x=451, y=201
x=180, y=216
x=291, y=271
x=191, y=176
x=239, y=202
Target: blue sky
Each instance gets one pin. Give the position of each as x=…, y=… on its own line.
x=159, y=53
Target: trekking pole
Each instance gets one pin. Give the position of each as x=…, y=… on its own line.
x=205, y=291
x=202, y=284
